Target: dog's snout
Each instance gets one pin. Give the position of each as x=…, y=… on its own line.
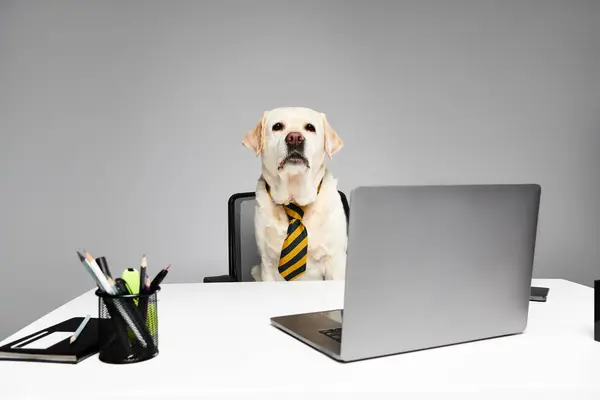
x=293, y=138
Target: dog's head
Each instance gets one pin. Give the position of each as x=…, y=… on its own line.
x=292, y=140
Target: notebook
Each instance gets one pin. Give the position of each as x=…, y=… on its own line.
x=52, y=344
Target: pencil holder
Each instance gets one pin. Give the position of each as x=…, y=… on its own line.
x=128, y=327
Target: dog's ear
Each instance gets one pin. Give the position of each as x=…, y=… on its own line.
x=333, y=143
x=255, y=138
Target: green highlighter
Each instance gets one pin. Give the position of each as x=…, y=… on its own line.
x=131, y=276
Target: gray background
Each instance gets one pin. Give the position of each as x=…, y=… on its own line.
x=121, y=122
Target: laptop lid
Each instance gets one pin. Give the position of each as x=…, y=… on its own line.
x=429, y=266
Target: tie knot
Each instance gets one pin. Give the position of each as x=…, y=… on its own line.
x=294, y=211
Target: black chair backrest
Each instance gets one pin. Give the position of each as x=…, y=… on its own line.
x=243, y=253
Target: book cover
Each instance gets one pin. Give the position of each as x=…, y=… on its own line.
x=52, y=344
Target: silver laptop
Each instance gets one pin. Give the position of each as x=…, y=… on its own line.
x=428, y=266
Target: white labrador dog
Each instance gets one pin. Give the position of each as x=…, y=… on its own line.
x=300, y=222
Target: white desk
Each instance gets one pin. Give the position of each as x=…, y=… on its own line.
x=216, y=338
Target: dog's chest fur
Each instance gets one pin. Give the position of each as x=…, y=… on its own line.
x=325, y=222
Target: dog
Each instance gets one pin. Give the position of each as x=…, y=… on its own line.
x=300, y=222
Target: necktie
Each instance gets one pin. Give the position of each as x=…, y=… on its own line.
x=292, y=260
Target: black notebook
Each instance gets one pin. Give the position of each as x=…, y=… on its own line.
x=32, y=347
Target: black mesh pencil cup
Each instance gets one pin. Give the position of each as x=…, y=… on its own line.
x=128, y=328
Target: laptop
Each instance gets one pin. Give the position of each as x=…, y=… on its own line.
x=428, y=266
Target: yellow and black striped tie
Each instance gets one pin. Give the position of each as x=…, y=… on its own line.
x=292, y=260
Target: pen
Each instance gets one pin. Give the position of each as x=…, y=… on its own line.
x=122, y=326
x=117, y=316
x=80, y=328
x=122, y=286
x=159, y=278
x=136, y=322
x=132, y=318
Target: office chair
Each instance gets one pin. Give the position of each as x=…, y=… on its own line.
x=243, y=254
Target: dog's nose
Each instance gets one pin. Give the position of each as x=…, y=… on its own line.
x=294, y=138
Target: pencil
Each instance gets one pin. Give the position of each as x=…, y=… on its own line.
x=80, y=328
x=88, y=268
x=143, y=273
x=144, y=279
x=106, y=284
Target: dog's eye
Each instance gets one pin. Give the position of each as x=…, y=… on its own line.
x=309, y=127
x=278, y=126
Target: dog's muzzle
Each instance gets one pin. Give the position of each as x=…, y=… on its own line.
x=295, y=150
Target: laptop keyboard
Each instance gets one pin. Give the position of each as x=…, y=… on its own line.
x=335, y=334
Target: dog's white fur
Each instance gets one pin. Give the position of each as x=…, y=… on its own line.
x=324, y=218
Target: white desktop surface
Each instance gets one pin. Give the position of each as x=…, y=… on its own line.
x=217, y=339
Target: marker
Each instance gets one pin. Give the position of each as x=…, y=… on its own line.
x=101, y=261
x=80, y=328
x=159, y=278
